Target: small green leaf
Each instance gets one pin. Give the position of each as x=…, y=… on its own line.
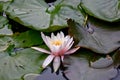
x=31, y=76
x=5, y=41
x=3, y=21
x=28, y=39
x=116, y=58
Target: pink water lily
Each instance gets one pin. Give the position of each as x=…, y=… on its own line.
x=59, y=46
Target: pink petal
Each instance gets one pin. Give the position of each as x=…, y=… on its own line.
x=56, y=63
x=47, y=61
x=41, y=50
x=72, y=50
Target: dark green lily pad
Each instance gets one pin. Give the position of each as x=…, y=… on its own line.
x=108, y=10
x=21, y=40
x=27, y=39
x=98, y=36
x=15, y=66
x=116, y=58
x=39, y=15
x=3, y=21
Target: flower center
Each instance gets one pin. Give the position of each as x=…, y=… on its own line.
x=57, y=42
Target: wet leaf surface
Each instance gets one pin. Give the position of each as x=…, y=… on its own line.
x=27, y=39
x=3, y=21
x=41, y=16
x=13, y=67
x=78, y=69
x=107, y=10
x=102, y=63
x=98, y=36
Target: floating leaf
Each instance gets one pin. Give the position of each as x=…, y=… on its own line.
x=78, y=69
x=108, y=10
x=31, y=76
x=39, y=15
x=4, y=42
x=28, y=39
x=102, y=63
x=3, y=21
x=97, y=36
x=116, y=58
x=14, y=67
x=4, y=4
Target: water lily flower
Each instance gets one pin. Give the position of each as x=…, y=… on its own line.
x=59, y=46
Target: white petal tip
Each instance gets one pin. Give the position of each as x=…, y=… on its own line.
x=56, y=64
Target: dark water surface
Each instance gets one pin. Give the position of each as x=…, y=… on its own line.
x=47, y=74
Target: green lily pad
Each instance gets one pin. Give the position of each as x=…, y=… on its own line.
x=25, y=61
x=108, y=10
x=21, y=40
x=98, y=36
x=27, y=39
x=37, y=14
x=5, y=41
x=31, y=76
x=3, y=21
x=4, y=4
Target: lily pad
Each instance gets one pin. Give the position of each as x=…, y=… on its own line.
x=21, y=40
x=5, y=41
x=79, y=69
x=4, y=4
x=98, y=36
x=14, y=67
x=102, y=63
x=37, y=14
x=116, y=58
x=3, y=21
x=108, y=10
x=27, y=39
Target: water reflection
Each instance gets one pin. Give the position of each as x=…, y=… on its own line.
x=48, y=74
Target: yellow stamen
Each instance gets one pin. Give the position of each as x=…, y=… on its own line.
x=56, y=42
